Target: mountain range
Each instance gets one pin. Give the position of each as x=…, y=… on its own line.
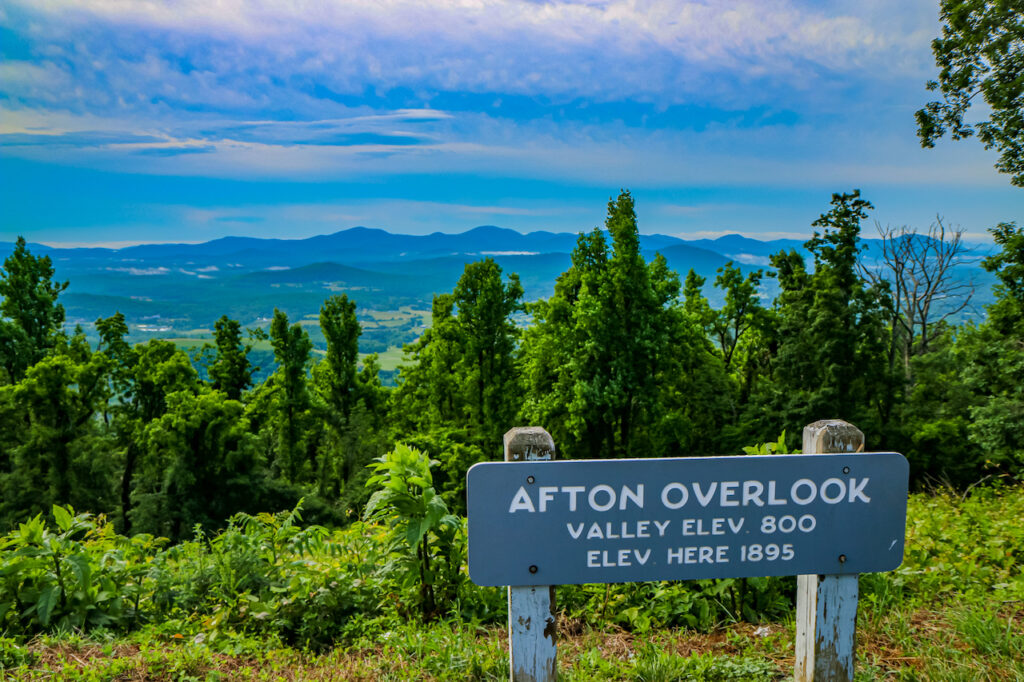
x=179, y=290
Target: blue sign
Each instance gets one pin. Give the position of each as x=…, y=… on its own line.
x=610, y=521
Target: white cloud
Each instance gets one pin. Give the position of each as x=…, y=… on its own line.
x=236, y=53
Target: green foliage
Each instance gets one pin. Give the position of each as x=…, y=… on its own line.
x=465, y=373
x=961, y=547
x=428, y=543
x=76, y=574
x=614, y=365
x=778, y=447
x=230, y=372
x=980, y=52
x=31, y=317
x=654, y=665
x=290, y=403
x=831, y=337
x=199, y=465
x=266, y=574
x=697, y=604
x=56, y=451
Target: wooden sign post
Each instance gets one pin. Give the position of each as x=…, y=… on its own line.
x=826, y=605
x=531, y=609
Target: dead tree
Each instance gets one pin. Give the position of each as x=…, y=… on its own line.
x=925, y=290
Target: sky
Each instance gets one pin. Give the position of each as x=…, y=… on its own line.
x=131, y=121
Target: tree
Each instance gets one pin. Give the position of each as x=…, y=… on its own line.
x=55, y=450
x=291, y=400
x=742, y=310
x=199, y=466
x=32, y=318
x=341, y=329
x=920, y=270
x=994, y=371
x=349, y=401
x=487, y=335
x=980, y=52
x=143, y=376
x=613, y=363
x=230, y=372
x=831, y=336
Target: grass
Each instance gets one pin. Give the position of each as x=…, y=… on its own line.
x=389, y=359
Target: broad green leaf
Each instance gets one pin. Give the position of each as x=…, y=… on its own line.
x=62, y=516
x=47, y=600
x=82, y=569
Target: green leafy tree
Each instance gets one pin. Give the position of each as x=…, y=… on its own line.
x=994, y=371
x=32, y=318
x=614, y=365
x=143, y=376
x=230, y=372
x=487, y=335
x=980, y=52
x=341, y=329
x=55, y=449
x=350, y=402
x=742, y=311
x=199, y=466
x=831, y=337
x=295, y=449
x=429, y=391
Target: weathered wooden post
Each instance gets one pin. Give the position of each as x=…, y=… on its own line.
x=826, y=605
x=531, y=610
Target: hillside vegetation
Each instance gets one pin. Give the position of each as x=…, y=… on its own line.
x=142, y=497
x=268, y=598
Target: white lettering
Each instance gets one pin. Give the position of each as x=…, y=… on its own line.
x=636, y=496
x=575, y=532
x=573, y=491
x=592, y=497
x=833, y=482
x=727, y=490
x=734, y=527
x=803, y=483
x=772, y=500
x=857, y=489
x=702, y=497
x=521, y=502
x=661, y=526
x=683, y=495
x=752, y=493
x=547, y=494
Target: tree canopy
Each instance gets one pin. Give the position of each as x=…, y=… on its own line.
x=980, y=52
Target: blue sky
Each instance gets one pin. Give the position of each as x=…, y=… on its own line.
x=125, y=121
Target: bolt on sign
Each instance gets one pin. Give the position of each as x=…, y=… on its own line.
x=611, y=521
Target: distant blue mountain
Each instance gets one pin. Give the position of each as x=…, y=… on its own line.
x=188, y=286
